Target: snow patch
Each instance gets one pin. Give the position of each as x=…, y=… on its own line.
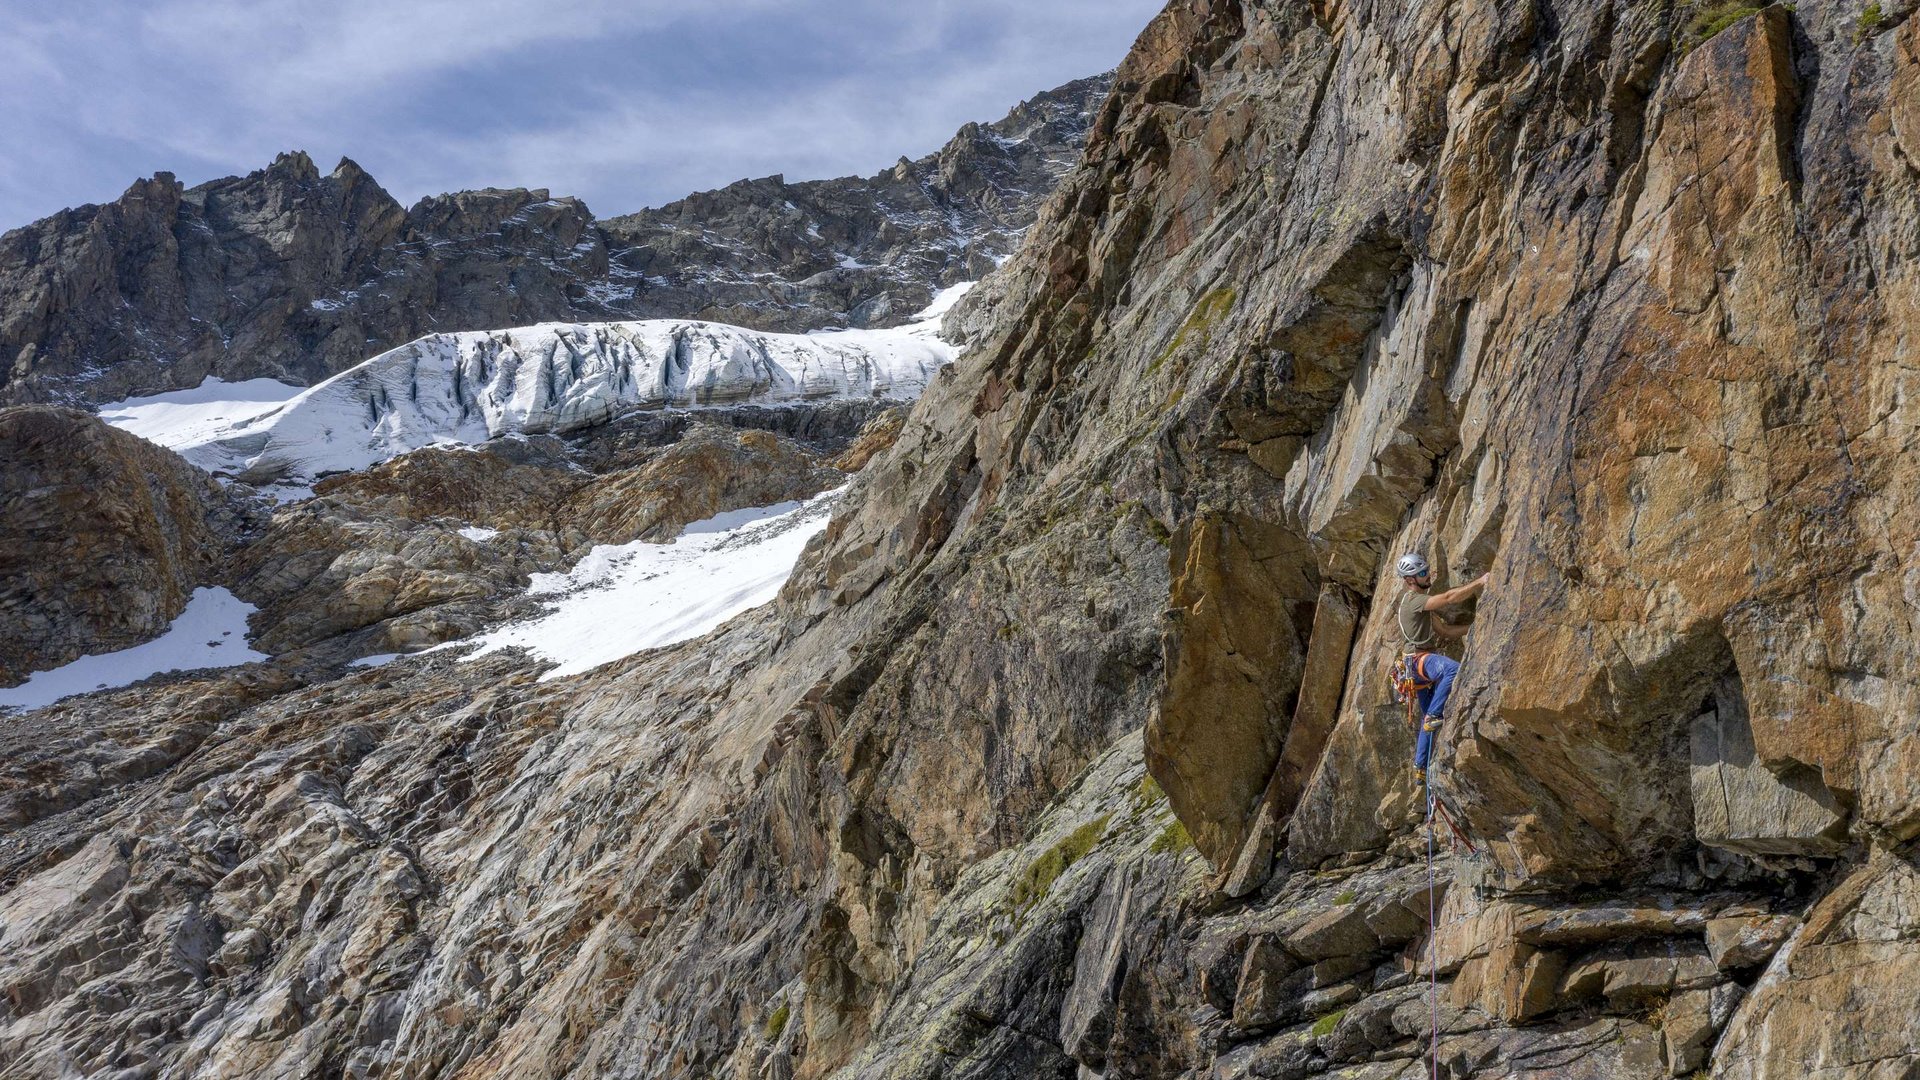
x=943, y=302
x=182, y=420
x=285, y=493
x=210, y=633
x=623, y=598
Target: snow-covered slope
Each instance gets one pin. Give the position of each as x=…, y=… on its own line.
x=551, y=377
x=623, y=598
x=187, y=418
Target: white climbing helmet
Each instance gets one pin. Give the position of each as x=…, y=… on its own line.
x=1413, y=565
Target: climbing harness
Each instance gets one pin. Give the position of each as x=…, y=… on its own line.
x=1407, y=680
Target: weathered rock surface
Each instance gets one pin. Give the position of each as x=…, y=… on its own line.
x=293, y=274
x=1605, y=298
x=1837, y=1001
x=103, y=537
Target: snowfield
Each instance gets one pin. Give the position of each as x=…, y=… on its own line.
x=549, y=378
x=210, y=633
x=622, y=598
x=188, y=418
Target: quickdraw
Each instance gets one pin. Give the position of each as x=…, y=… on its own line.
x=1453, y=827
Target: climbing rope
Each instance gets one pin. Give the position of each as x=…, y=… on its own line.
x=1457, y=839
x=1433, y=924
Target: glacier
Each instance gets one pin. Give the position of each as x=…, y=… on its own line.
x=549, y=378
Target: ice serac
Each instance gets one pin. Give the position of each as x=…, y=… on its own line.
x=555, y=378
x=1610, y=299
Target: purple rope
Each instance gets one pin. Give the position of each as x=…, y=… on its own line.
x=1433, y=934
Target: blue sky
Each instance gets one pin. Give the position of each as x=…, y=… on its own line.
x=624, y=104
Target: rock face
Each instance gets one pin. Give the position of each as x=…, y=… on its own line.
x=103, y=537
x=284, y=273
x=292, y=274
x=1049, y=762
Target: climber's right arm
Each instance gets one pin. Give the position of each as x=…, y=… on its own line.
x=1453, y=596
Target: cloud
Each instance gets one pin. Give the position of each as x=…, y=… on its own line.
x=626, y=104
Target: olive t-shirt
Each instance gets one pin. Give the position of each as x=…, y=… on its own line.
x=1416, y=622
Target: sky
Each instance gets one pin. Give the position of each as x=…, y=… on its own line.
x=626, y=105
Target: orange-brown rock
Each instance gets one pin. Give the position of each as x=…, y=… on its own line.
x=103, y=537
x=396, y=548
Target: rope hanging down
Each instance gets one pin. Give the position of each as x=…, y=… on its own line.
x=1436, y=809
x=1433, y=933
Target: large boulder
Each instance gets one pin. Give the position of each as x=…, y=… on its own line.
x=103, y=537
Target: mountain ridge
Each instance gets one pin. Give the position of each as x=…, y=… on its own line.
x=292, y=274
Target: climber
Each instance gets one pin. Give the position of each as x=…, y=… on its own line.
x=1429, y=673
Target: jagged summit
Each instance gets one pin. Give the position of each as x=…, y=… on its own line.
x=860, y=248
x=291, y=274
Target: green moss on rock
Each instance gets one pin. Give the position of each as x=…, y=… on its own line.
x=1173, y=838
x=1210, y=309
x=1040, y=874
x=1326, y=1024
x=1147, y=793
x=1708, y=19
x=1871, y=18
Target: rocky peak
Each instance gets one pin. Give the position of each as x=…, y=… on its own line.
x=855, y=251
x=160, y=185
x=289, y=274
x=295, y=165
x=511, y=216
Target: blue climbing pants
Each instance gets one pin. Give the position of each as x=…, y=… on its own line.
x=1433, y=701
